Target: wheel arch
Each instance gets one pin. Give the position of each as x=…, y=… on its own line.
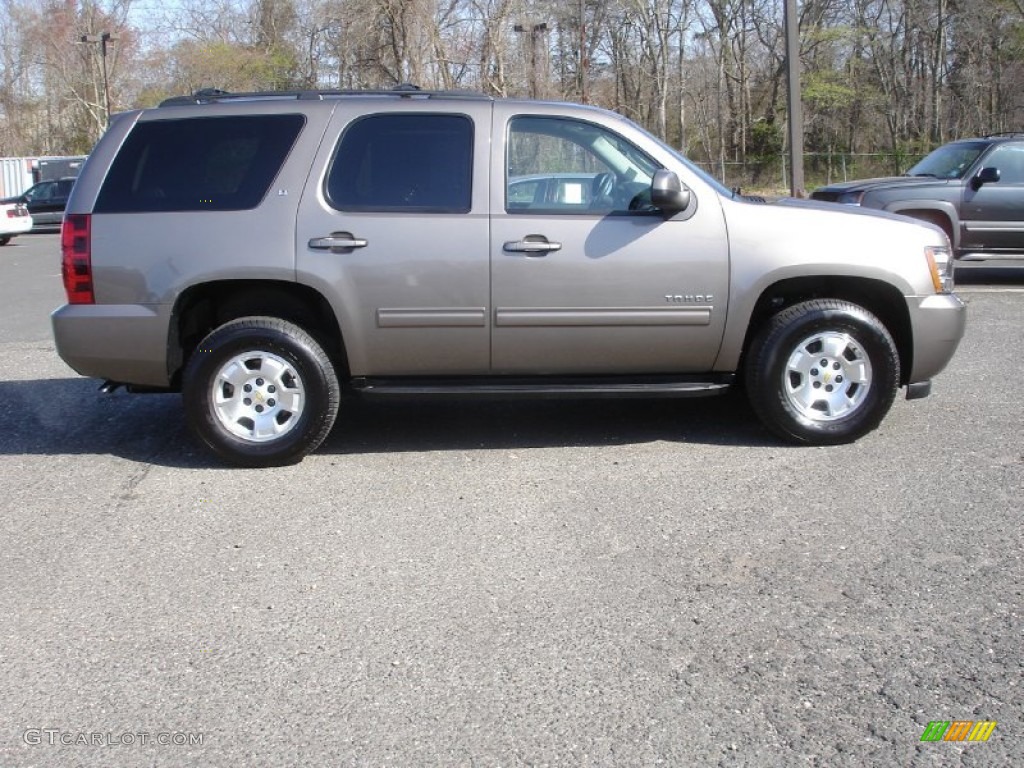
x=941, y=214
x=260, y=391
x=203, y=307
x=878, y=297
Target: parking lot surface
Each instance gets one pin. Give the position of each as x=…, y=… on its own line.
x=534, y=583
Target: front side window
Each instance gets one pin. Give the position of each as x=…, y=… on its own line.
x=198, y=164
x=41, y=191
x=404, y=163
x=1009, y=159
x=556, y=165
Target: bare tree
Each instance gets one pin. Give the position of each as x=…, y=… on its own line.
x=893, y=75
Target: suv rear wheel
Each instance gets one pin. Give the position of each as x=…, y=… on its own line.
x=822, y=372
x=260, y=392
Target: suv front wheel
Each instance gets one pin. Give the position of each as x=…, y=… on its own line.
x=260, y=392
x=822, y=372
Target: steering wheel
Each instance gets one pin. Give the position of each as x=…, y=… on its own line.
x=601, y=189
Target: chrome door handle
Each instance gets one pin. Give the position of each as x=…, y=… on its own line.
x=341, y=241
x=539, y=247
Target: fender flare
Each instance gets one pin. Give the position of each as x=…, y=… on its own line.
x=940, y=207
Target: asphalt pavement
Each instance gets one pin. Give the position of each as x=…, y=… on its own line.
x=509, y=584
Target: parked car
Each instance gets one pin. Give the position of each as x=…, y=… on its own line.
x=555, y=190
x=45, y=201
x=264, y=253
x=14, y=220
x=972, y=189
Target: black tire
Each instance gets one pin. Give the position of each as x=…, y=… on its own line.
x=803, y=401
x=5, y=239
x=277, y=392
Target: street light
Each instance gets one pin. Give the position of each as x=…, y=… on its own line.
x=103, y=39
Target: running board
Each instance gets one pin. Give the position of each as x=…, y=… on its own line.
x=544, y=387
x=979, y=256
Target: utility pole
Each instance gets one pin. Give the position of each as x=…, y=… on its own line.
x=535, y=31
x=796, y=112
x=583, y=52
x=104, y=40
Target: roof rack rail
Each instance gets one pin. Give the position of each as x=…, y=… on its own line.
x=403, y=91
x=1005, y=135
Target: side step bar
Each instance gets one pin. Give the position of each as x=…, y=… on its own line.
x=544, y=387
x=990, y=256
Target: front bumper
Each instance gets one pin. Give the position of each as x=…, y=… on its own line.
x=126, y=343
x=937, y=323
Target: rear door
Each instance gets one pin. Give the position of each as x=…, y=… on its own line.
x=393, y=229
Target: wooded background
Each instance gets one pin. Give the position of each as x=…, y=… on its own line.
x=883, y=81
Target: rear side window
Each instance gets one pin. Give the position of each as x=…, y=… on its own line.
x=198, y=164
x=404, y=163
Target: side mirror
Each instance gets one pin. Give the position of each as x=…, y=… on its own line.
x=985, y=176
x=668, y=193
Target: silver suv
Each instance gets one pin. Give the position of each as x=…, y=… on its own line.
x=263, y=253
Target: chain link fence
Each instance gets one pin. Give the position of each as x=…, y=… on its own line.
x=771, y=175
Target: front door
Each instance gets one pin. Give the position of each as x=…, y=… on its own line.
x=993, y=214
x=586, y=279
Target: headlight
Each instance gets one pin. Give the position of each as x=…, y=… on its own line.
x=940, y=263
x=850, y=198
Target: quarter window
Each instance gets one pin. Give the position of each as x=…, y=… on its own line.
x=404, y=163
x=198, y=164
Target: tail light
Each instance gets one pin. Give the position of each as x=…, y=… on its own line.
x=76, y=258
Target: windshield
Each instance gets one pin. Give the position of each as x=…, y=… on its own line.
x=708, y=178
x=949, y=162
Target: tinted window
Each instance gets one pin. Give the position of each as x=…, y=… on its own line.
x=398, y=162
x=1009, y=159
x=42, y=191
x=199, y=164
